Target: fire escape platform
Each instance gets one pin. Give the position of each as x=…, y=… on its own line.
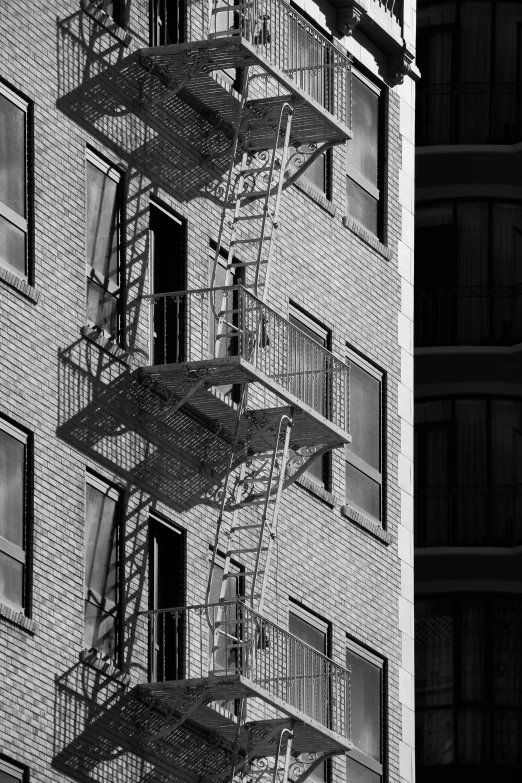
x=309, y=428
x=170, y=698
x=192, y=71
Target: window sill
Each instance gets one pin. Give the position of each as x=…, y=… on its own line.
x=91, y=658
x=105, y=20
x=17, y=618
x=316, y=195
x=19, y=284
x=317, y=490
x=100, y=339
x=367, y=237
x=366, y=524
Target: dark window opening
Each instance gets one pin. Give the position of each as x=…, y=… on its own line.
x=167, y=22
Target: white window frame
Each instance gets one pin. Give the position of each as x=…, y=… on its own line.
x=115, y=289
x=357, y=462
x=17, y=553
x=6, y=212
x=355, y=754
x=11, y=769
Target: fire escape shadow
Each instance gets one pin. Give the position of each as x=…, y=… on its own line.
x=100, y=735
x=106, y=413
x=103, y=88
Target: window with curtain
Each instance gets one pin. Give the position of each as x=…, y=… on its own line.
x=469, y=58
x=103, y=246
x=468, y=271
x=13, y=502
x=364, y=153
x=468, y=690
x=13, y=182
x=309, y=379
x=363, y=455
x=102, y=563
x=364, y=763
x=468, y=472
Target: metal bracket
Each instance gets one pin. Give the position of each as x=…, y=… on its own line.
x=300, y=770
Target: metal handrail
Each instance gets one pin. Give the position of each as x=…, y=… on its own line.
x=291, y=43
x=230, y=638
x=214, y=323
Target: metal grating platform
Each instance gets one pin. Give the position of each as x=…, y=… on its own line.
x=310, y=428
x=190, y=70
x=170, y=698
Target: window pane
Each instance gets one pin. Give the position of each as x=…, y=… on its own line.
x=434, y=733
x=365, y=404
x=307, y=633
x=102, y=308
x=365, y=685
x=12, y=246
x=101, y=559
x=362, y=150
x=102, y=224
x=12, y=156
x=363, y=491
x=473, y=651
x=434, y=652
x=362, y=206
x=12, y=470
x=357, y=773
x=11, y=580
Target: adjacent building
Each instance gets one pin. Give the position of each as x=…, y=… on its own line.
x=206, y=434
x=468, y=337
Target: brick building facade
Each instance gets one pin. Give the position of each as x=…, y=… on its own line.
x=113, y=170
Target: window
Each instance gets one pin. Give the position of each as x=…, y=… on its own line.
x=225, y=655
x=167, y=22
x=469, y=55
x=468, y=273
x=364, y=154
x=103, y=246
x=468, y=472
x=468, y=700
x=13, y=502
x=310, y=681
x=167, y=273
x=364, y=763
x=166, y=589
x=102, y=564
x=9, y=773
x=364, y=453
x=113, y=8
x=308, y=384
x=13, y=182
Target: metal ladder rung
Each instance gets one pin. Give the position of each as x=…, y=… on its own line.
x=250, y=263
x=244, y=527
x=257, y=216
x=243, y=574
x=250, y=240
x=248, y=596
x=244, y=550
x=262, y=479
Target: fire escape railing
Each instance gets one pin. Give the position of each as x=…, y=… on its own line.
x=216, y=323
x=230, y=639
x=293, y=45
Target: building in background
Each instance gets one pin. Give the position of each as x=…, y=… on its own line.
x=468, y=337
x=206, y=232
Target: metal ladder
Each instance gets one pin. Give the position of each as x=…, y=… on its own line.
x=260, y=179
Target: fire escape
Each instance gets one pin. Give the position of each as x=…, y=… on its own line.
x=253, y=695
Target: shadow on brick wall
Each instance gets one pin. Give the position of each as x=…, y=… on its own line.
x=106, y=413
x=101, y=730
x=103, y=88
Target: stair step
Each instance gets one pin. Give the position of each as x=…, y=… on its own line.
x=255, y=481
x=244, y=527
x=250, y=217
x=250, y=263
